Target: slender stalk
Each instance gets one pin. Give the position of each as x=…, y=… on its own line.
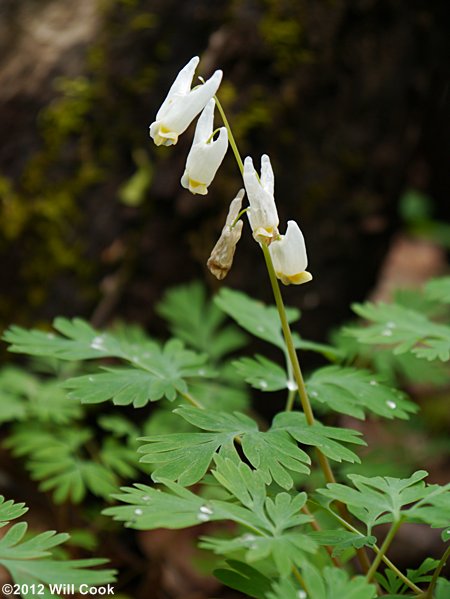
x=230, y=135
x=188, y=397
x=292, y=354
x=444, y=558
x=384, y=547
x=288, y=339
x=290, y=401
x=377, y=550
x=300, y=579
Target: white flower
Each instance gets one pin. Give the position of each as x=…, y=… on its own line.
x=262, y=214
x=289, y=256
x=221, y=259
x=206, y=154
x=182, y=104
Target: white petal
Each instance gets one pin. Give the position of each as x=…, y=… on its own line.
x=267, y=176
x=263, y=214
x=181, y=106
x=188, y=107
x=203, y=162
x=289, y=256
x=181, y=85
x=205, y=123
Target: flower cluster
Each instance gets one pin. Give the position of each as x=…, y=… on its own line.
x=181, y=106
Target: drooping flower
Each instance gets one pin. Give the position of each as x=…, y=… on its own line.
x=221, y=259
x=262, y=214
x=182, y=104
x=206, y=154
x=288, y=254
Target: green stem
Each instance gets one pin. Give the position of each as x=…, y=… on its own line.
x=188, y=397
x=290, y=401
x=377, y=550
x=315, y=525
x=293, y=358
x=230, y=135
x=384, y=547
x=288, y=339
x=300, y=579
x=429, y=593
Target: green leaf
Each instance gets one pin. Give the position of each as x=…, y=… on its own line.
x=119, y=426
x=199, y=322
x=328, y=439
x=352, y=391
x=285, y=589
x=255, y=317
x=341, y=540
x=29, y=560
x=442, y=590
x=424, y=573
x=79, y=341
x=26, y=396
x=10, y=510
x=232, y=397
x=151, y=508
x=332, y=582
x=244, y=578
x=262, y=373
x=119, y=458
x=331, y=353
x=273, y=522
x=380, y=499
x=434, y=508
x=187, y=456
x=439, y=289
x=156, y=374
x=57, y=461
x=407, y=329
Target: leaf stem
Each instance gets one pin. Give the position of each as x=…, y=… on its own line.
x=188, y=397
x=315, y=525
x=375, y=548
x=429, y=592
x=384, y=547
x=300, y=579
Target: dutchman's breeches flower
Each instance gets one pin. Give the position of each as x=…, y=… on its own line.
x=288, y=254
x=182, y=104
x=262, y=214
x=206, y=154
x=221, y=259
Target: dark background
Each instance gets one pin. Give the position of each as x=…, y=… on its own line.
x=349, y=98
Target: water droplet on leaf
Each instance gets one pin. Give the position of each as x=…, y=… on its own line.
x=97, y=343
x=391, y=404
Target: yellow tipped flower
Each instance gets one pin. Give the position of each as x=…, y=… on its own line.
x=182, y=104
x=263, y=215
x=289, y=256
x=206, y=154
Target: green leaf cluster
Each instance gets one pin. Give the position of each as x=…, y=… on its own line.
x=28, y=557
